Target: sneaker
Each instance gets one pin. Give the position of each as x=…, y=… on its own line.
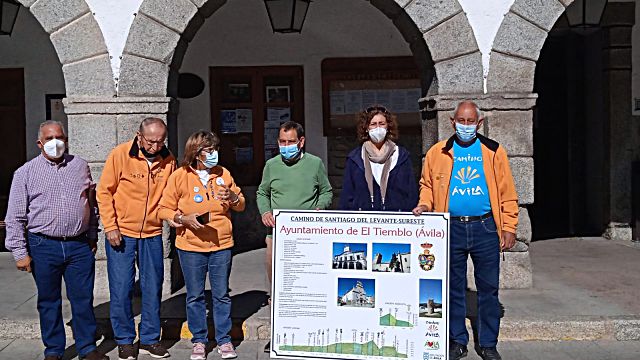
x=489, y=353
x=457, y=351
x=267, y=348
x=199, y=352
x=94, y=355
x=127, y=352
x=154, y=350
x=227, y=351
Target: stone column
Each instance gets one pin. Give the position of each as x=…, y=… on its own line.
x=96, y=126
x=509, y=121
x=617, y=22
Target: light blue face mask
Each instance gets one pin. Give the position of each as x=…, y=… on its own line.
x=211, y=160
x=290, y=151
x=466, y=133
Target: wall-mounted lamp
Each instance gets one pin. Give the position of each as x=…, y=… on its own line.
x=287, y=16
x=585, y=13
x=8, y=15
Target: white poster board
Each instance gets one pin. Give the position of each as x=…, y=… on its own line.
x=360, y=285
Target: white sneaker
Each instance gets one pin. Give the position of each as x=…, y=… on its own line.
x=227, y=351
x=199, y=352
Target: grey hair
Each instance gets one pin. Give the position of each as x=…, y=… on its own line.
x=478, y=111
x=51, y=122
x=149, y=121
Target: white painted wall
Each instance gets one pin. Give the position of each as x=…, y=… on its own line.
x=485, y=18
x=115, y=18
x=335, y=28
x=29, y=47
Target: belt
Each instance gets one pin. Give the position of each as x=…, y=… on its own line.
x=80, y=237
x=472, y=218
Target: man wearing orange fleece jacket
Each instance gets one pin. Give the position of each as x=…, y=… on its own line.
x=468, y=176
x=128, y=194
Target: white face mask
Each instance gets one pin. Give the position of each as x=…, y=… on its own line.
x=378, y=134
x=54, y=148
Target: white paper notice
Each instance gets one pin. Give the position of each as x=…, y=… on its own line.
x=244, y=120
x=383, y=97
x=337, y=102
x=398, y=101
x=359, y=285
x=277, y=117
x=368, y=98
x=228, y=121
x=353, y=102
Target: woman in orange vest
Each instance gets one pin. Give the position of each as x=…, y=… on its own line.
x=200, y=196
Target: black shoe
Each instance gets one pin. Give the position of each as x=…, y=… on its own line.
x=127, y=352
x=154, y=350
x=489, y=353
x=457, y=351
x=52, y=357
x=94, y=355
x=267, y=348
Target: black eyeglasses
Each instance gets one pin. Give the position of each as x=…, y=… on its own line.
x=377, y=108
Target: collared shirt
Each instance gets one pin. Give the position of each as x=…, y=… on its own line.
x=52, y=199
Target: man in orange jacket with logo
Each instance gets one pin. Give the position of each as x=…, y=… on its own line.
x=468, y=176
x=128, y=194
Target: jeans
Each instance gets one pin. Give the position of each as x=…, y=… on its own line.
x=147, y=253
x=480, y=240
x=194, y=267
x=73, y=260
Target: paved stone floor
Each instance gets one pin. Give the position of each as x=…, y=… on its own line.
x=252, y=350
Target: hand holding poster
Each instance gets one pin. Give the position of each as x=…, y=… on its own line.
x=359, y=285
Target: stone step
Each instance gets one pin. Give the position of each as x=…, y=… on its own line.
x=560, y=328
x=257, y=327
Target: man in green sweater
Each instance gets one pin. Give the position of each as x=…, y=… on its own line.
x=295, y=180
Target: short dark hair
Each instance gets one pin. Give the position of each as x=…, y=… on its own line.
x=293, y=125
x=195, y=143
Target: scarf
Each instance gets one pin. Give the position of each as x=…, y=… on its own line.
x=369, y=155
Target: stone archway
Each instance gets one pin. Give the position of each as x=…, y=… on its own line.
x=162, y=30
x=79, y=43
x=518, y=42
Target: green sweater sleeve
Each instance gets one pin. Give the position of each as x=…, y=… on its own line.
x=263, y=194
x=325, y=192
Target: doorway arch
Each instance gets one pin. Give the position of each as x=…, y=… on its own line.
x=79, y=43
x=438, y=32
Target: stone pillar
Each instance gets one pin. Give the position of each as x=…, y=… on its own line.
x=509, y=119
x=617, y=22
x=96, y=126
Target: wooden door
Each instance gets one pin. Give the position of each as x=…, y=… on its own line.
x=248, y=104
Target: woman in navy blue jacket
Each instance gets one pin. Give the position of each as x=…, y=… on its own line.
x=378, y=174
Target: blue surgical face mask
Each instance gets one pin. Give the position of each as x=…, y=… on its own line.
x=211, y=160
x=466, y=133
x=290, y=151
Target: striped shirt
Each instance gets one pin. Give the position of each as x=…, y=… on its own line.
x=56, y=200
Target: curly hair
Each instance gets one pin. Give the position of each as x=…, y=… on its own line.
x=364, y=119
x=195, y=143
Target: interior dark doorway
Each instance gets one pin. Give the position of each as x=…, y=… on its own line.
x=12, y=124
x=570, y=132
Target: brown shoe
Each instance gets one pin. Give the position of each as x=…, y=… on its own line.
x=94, y=355
x=154, y=350
x=127, y=352
x=52, y=357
